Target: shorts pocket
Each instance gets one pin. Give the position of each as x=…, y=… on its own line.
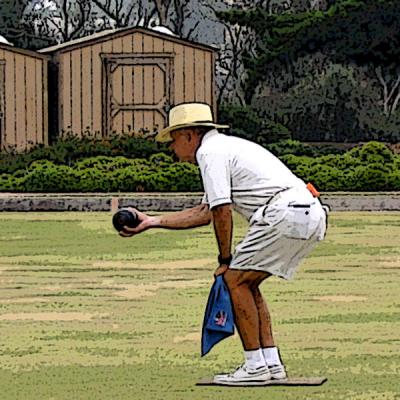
x=301, y=222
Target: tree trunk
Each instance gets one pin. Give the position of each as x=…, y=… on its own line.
x=162, y=9
x=389, y=106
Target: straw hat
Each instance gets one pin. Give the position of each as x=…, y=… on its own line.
x=188, y=115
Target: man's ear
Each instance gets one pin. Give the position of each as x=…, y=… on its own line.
x=190, y=135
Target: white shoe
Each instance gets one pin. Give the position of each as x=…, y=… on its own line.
x=245, y=374
x=277, y=372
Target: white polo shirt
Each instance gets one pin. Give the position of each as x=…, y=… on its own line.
x=237, y=171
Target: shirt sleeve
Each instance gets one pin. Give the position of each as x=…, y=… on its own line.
x=216, y=175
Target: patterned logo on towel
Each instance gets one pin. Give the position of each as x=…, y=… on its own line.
x=220, y=318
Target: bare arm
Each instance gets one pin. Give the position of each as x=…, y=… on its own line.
x=223, y=226
x=190, y=218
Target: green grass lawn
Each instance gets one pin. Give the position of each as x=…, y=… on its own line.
x=86, y=314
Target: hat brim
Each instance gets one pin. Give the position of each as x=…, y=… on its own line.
x=165, y=134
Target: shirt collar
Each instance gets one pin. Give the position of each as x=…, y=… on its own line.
x=209, y=134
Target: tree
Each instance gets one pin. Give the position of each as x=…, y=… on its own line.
x=11, y=12
x=237, y=40
x=162, y=7
x=121, y=13
x=323, y=106
x=59, y=21
x=349, y=31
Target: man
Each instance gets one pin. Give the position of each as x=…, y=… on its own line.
x=285, y=222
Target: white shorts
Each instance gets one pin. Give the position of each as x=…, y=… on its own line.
x=281, y=234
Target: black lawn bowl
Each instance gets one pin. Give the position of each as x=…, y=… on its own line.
x=125, y=218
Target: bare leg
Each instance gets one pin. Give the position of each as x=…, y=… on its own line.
x=266, y=337
x=247, y=320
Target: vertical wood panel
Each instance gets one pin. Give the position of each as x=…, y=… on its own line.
x=127, y=44
x=97, y=94
x=138, y=78
x=159, y=90
x=2, y=100
x=45, y=103
x=169, y=48
x=158, y=45
x=213, y=87
x=106, y=47
x=10, y=99
x=118, y=84
x=148, y=96
x=30, y=79
x=199, y=75
x=138, y=96
x=147, y=44
x=87, y=98
x=179, y=74
x=148, y=85
x=127, y=47
x=189, y=76
x=159, y=94
x=65, y=63
x=208, y=76
x=20, y=99
x=76, y=93
x=9, y=132
x=158, y=86
x=137, y=42
x=39, y=101
x=117, y=45
x=117, y=96
x=128, y=72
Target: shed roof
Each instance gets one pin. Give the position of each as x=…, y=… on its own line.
x=107, y=34
x=25, y=52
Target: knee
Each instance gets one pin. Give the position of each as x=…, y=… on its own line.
x=232, y=280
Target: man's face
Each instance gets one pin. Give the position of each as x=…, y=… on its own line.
x=184, y=144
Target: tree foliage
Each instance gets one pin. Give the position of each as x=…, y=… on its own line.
x=350, y=30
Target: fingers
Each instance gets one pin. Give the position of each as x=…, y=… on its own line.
x=221, y=270
x=144, y=223
x=140, y=214
x=125, y=234
x=133, y=231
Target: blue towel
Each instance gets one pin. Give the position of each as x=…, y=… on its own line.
x=218, y=319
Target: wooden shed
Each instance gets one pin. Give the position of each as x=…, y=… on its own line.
x=124, y=81
x=23, y=98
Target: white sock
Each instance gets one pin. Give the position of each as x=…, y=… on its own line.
x=271, y=356
x=254, y=358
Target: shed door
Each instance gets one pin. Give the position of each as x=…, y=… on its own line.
x=2, y=102
x=137, y=93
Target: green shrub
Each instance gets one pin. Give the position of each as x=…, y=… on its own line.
x=105, y=174
x=70, y=149
x=160, y=159
x=372, y=152
x=59, y=178
x=371, y=178
x=366, y=168
x=107, y=164
x=361, y=169
x=393, y=181
x=290, y=146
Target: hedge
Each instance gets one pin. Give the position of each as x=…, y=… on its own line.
x=105, y=174
x=68, y=149
x=371, y=167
